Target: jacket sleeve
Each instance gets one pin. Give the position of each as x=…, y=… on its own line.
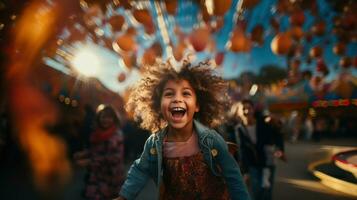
x=230, y=171
x=138, y=174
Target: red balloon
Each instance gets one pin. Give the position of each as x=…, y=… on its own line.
x=297, y=18
x=219, y=58
x=171, y=6
x=116, y=22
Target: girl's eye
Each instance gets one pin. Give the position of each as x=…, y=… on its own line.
x=167, y=94
x=187, y=93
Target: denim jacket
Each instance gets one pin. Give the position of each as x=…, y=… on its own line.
x=215, y=152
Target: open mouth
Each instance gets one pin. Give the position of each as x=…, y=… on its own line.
x=177, y=112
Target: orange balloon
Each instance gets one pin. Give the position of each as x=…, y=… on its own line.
x=319, y=28
x=171, y=6
x=199, y=38
x=143, y=16
x=345, y=62
x=125, y=43
x=316, y=52
x=129, y=60
x=220, y=7
x=281, y=44
x=239, y=42
x=178, y=51
x=121, y=77
x=149, y=57
x=339, y=48
x=296, y=32
x=131, y=31
x=116, y=22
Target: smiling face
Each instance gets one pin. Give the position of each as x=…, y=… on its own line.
x=179, y=104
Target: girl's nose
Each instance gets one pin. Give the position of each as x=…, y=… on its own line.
x=177, y=99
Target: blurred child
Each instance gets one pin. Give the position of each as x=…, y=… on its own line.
x=105, y=162
x=184, y=156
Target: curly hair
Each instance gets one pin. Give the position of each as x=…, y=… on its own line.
x=211, y=91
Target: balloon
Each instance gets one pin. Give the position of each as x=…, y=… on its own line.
x=339, y=48
x=239, y=42
x=275, y=24
x=345, y=62
x=297, y=18
x=178, y=51
x=257, y=34
x=199, y=38
x=116, y=22
x=121, y=77
x=149, y=57
x=316, y=52
x=319, y=28
x=171, y=6
x=125, y=43
x=220, y=7
x=296, y=32
x=281, y=44
x=143, y=16
x=219, y=58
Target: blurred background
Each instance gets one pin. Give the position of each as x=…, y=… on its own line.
x=60, y=59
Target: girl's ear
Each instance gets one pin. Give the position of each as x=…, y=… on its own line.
x=197, y=107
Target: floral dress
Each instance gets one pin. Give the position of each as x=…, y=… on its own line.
x=105, y=171
x=189, y=177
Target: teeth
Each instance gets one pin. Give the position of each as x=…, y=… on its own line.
x=178, y=109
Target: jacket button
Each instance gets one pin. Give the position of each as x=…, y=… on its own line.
x=153, y=151
x=214, y=152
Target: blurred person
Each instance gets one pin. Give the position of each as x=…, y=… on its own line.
x=184, y=156
x=260, y=143
x=308, y=127
x=294, y=126
x=320, y=129
x=105, y=157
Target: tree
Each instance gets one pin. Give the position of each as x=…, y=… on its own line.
x=270, y=73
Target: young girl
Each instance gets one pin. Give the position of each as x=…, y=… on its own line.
x=185, y=157
x=105, y=163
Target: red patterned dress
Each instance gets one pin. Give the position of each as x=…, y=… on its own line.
x=188, y=176
x=105, y=171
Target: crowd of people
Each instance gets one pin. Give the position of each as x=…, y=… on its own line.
x=180, y=115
